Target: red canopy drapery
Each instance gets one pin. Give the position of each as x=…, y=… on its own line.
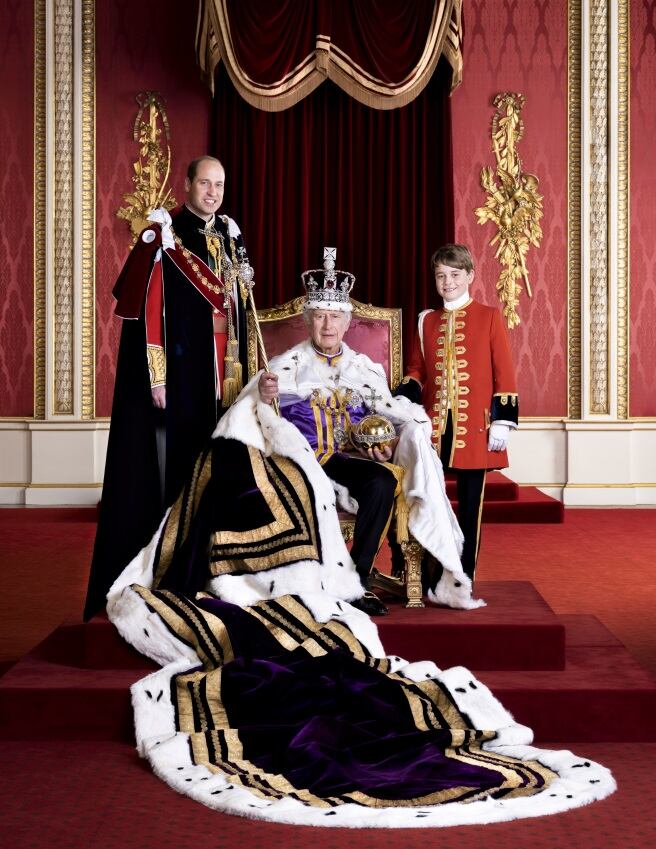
x=381, y=52
x=376, y=183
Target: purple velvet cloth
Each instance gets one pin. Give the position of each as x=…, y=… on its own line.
x=334, y=724
x=301, y=413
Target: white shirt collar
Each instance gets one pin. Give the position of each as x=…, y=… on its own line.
x=459, y=302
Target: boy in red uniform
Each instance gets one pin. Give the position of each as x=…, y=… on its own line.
x=461, y=370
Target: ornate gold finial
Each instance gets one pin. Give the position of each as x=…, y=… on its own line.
x=153, y=167
x=514, y=205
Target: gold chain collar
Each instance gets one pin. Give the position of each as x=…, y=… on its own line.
x=218, y=290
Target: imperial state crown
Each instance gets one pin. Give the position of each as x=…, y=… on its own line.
x=328, y=288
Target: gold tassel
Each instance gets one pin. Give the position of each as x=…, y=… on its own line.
x=233, y=380
x=231, y=390
x=214, y=251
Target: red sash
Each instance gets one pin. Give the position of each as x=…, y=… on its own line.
x=131, y=286
x=197, y=276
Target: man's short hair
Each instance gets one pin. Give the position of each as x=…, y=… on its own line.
x=456, y=256
x=193, y=165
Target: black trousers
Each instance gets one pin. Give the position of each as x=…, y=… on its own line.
x=470, y=491
x=373, y=487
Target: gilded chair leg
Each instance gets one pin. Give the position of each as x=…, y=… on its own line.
x=412, y=553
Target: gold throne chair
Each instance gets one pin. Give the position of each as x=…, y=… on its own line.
x=375, y=331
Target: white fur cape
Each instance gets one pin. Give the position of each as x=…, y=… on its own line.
x=321, y=586
x=579, y=781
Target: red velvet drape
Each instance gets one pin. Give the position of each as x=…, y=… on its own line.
x=384, y=38
x=374, y=184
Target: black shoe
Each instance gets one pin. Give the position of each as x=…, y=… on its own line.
x=370, y=604
x=387, y=584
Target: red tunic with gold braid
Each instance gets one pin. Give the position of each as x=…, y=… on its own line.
x=463, y=362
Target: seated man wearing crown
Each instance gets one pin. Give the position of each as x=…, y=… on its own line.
x=329, y=393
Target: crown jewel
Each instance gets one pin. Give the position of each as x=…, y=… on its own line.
x=328, y=288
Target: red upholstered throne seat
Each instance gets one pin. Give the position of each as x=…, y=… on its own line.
x=375, y=331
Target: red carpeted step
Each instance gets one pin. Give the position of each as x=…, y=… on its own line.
x=51, y=701
x=497, y=487
x=505, y=501
x=92, y=645
x=516, y=630
x=531, y=506
x=602, y=695
x=37, y=515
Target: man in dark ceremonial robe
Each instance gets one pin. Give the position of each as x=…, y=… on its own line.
x=180, y=360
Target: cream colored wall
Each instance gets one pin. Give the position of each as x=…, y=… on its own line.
x=587, y=463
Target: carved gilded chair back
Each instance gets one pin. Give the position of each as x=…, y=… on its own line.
x=375, y=331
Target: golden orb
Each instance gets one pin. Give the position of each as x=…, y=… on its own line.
x=373, y=431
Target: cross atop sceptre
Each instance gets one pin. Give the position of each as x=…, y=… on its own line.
x=246, y=275
x=371, y=398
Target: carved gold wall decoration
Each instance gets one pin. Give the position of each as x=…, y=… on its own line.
x=513, y=204
x=40, y=186
x=623, y=212
x=152, y=169
x=599, y=399
x=574, y=240
x=64, y=181
x=63, y=208
x=88, y=216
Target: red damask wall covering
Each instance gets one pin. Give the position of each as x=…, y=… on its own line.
x=642, y=382
x=139, y=46
x=16, y=198
x=510, y=45
x=520, y=46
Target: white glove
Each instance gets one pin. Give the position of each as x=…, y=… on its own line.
x=498, y=437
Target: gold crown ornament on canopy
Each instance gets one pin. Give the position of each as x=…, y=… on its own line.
x=327, y=288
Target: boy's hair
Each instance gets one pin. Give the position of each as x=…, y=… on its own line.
x=457, y=256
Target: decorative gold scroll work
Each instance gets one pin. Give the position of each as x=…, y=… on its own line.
x=152, y=169
x=513, y=204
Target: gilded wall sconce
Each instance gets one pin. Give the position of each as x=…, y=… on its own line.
x=513, y=204
x=152, y=168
